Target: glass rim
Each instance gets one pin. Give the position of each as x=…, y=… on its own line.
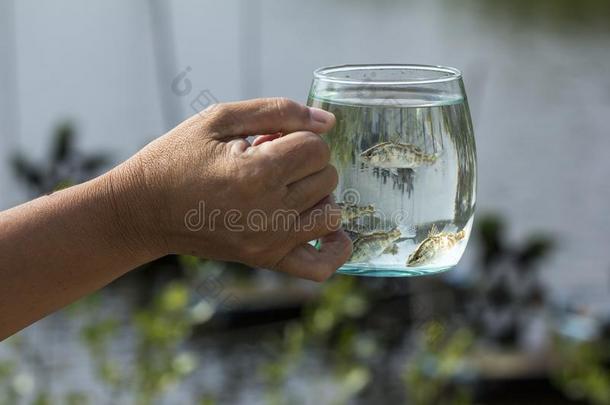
x=325, y=74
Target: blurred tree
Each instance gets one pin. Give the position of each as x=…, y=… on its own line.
x=65, y=166
x=507, y=283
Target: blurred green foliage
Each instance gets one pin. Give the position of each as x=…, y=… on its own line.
x=156, y=332
x=585, y=369
x=159, y=331
x=334, y=331
x=549, y=14
x=561, y=17
x=438, y=363
x=329, y=327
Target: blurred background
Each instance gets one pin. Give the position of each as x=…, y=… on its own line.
x=524, y=318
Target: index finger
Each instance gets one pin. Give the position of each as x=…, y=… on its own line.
x=266, y=115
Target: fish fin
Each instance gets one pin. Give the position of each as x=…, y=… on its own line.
x=392, y=249
x=365, y=152
x=433, y=231
x=411, y=260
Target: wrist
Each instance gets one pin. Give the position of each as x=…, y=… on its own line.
x=134, y=214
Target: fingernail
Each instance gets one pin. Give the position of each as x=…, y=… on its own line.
x=322, y=116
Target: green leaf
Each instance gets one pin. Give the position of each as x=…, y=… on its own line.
x=63, y=145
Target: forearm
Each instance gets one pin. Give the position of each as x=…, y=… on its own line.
x=60, y=247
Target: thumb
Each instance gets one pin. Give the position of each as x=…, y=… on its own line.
x=266, y=116
x=307, y=262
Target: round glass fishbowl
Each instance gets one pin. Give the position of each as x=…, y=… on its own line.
x=404, y=148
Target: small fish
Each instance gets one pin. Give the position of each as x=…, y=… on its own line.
x=350, y=212
x=391, y=155
x=435, y=244
x=391, y=250
x=371, y=245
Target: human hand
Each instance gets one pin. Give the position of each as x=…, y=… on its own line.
x=203, y=190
